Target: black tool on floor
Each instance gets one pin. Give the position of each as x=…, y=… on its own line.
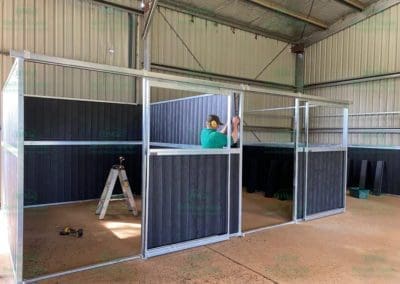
x=68, y=231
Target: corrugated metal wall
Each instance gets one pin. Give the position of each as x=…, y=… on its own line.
x=180, y=122
x=187, y=198
x=61, y=173
x=220, y=49
x=324, y=182
x=368, y=48
x=76, y=29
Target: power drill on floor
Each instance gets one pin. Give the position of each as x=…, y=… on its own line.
x=68, y=231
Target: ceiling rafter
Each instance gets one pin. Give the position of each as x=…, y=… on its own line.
x=203, y=14
x=349, y=20
x=284, y=11
x=355, y=4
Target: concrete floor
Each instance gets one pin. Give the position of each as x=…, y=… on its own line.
x=260, y=211
x=117, y=236
x=359, y=246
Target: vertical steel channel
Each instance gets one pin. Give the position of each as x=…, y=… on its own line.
x=240, y=207
x=20, y=161
x=296, y=158
x=345, y=142
x=306, y=128
x=145, y=161
x=228, y=137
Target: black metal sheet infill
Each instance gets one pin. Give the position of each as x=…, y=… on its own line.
x=54, y=174
x=391, y=157
x=235, y=194
x=180, y=122
x=325, y=181
x=59, y=119
x=187, y=198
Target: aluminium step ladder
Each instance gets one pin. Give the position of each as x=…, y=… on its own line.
x=117, y=171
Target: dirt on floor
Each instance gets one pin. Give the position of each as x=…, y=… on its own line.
x=359, y=246
x=45, y=251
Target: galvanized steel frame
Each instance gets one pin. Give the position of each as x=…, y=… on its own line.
x=18, y=153
x=51, y=60
x=154, y=82
x=169, y=81
x=343, y=147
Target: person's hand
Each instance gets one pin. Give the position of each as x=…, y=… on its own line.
x=235, y=121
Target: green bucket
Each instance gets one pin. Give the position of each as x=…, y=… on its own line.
x=358, y=192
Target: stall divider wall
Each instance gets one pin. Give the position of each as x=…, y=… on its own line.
x=156, y=79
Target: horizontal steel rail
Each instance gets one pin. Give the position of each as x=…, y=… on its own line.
x=84, y=268
x=379, y=147
x=174, y=145
x=189, y=152
x=80, y=99
x=357, y=130
x=222, y=77
x=43, y=59
x=328, y=148
x=382, y=113
x=80, y=143
x=352, y=81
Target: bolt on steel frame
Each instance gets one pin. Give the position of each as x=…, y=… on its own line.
x=149, y=79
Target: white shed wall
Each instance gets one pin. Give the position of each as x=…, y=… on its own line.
x=369, y=48
x=75, y=29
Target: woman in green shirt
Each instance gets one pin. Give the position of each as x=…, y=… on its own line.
x=210, y=137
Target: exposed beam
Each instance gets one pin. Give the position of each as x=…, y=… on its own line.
x=284, y=11
x=353, y=4
x=119, y=7
x=149, y=14
x=207, y=15
x=219, y=77
x=349, y=20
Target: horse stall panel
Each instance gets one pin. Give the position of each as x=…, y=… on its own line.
x=56, y=173
x=181, y=121
x=11, y=164
x=48, y=119
x=325, y=182
x=235, y=194
x=187, y=198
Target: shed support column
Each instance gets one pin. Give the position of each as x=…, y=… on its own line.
x=299, y=75
x=146, y=33
x=299, y=80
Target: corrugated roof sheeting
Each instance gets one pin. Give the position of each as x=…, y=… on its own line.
x=328, y=11
x=370, y=47
x=75, y=29
x=220, y=49
x=368, y=97
x=253, y=15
